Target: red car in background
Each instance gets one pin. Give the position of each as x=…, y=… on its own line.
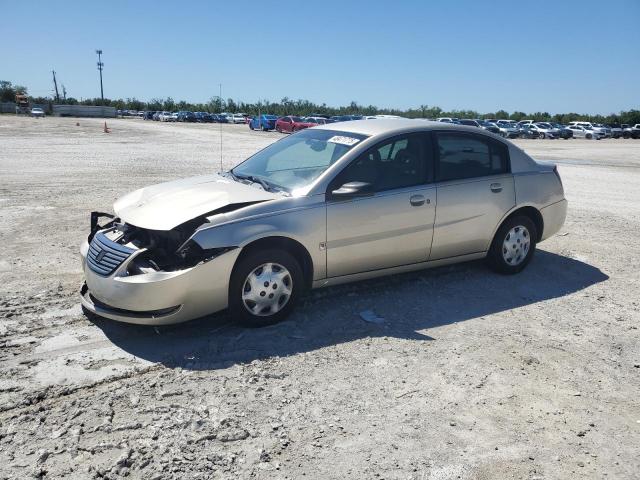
x=292, y=124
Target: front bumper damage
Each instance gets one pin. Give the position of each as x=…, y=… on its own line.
x=157, y=297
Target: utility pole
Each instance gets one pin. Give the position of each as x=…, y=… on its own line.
x=100, y=66
x=64, y=92
x=220, y=97
x=55, y=85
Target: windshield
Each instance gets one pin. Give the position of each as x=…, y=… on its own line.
x=299, y=159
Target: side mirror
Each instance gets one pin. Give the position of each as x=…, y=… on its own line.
x=353, y=190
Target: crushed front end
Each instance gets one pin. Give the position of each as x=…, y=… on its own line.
x=152, y=277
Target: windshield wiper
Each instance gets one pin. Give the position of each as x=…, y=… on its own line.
x=253, y=179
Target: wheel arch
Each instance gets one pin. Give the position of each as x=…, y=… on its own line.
x=529, y=211
x=287, y=244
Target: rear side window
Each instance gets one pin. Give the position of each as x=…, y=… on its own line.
x=461, y=156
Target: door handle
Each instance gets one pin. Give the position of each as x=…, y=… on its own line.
x=417, y=200
x=496, y=187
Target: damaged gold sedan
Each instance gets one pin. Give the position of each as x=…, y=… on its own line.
x=328, y=205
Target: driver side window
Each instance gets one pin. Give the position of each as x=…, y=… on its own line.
x=395, y=163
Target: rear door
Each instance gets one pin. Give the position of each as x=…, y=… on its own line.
x=475, y=190
x=393, y=226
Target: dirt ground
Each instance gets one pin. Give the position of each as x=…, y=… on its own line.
x=472, y=375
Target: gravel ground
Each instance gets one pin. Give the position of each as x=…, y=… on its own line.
x=472, y=375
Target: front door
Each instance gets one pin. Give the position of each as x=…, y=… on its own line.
x=393, y=226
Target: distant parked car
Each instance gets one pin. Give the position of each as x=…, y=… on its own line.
x=579, y=131
x=148, y=115
x=563, y=132
x=527, y=131
x=292, y=124
x=201, y=117
x=448, y=120
x=313, y=121
x=525, y=122
x=508, y=130
x=184, y=116
x=37, y=112
x=346, y=118
x=631, y=132
x=238, y=118
x=263, y=122
x=489, y=127
x=604, y=131
x=509, y=123
x=545, y=130
x=616, y=130
x=166, y=117
x=470, y=123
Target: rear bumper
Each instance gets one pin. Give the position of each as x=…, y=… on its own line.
x=553, y=217
x=158, y=298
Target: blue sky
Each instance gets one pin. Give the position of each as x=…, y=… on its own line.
x=555, y=56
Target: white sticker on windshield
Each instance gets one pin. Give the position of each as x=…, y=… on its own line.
x=342, y=140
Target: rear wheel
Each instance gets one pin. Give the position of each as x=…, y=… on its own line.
x=588, y=136
x=264, y=288
x=513, y=245
x=542, y=135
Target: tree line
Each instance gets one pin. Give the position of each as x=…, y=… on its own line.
x=287, y=106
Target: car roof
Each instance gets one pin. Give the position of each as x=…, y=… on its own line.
x=382, y=126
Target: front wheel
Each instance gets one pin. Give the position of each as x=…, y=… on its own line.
x=588, y=136
x=264, y=287
x=513, y=245
x=542, y=135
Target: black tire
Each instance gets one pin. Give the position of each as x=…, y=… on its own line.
x=247, y=264
x=250, y=126
x=588, y=136
x=495, y=257
x=542, y=135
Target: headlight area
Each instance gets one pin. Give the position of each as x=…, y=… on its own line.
x=129, y=250
x=167, y=251
x=188, y=256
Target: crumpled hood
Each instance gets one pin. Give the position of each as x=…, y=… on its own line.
x=167, y=205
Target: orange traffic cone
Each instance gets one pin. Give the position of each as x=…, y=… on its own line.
x=106, y=130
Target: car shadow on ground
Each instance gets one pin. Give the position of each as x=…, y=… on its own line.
x=410, y=305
